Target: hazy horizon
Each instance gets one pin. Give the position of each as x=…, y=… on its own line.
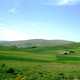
x=39, y=19
x=37, y=39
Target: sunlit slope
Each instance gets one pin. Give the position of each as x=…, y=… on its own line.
x=26, y=56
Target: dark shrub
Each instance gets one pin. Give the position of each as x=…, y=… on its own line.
x=34, y=47
x=65, y=53
x=10, y=70
x=3, y=65
x=70, y=52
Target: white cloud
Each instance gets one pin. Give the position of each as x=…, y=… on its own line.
x=10, y=34
x=68, y=2
x=62, y=2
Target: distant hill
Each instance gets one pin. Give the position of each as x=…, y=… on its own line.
x=35, y=42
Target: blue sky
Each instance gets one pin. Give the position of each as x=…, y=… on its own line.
x=40, y=19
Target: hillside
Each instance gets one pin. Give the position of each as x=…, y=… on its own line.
x=35, y=42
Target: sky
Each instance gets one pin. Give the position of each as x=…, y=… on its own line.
x=39, y=19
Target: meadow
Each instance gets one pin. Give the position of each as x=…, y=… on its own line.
x=39, y=64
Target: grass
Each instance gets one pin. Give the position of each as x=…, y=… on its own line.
x=40, y=65
x=26, y=56
x=64, y=58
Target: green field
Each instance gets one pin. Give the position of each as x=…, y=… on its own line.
x=39, y=64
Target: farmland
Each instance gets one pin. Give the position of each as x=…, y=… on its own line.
x=27, y=61
x=39, y=64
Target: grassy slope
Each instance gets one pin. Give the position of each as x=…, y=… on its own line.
x=39, y=59
x=39, y=63
x=26, y=56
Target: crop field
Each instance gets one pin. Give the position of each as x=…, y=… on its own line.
x=38, y=65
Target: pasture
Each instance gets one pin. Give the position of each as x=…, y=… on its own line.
x=38, y=65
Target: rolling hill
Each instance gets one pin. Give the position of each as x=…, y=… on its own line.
x=35, y=42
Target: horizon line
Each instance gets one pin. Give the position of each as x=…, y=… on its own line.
x=40, y=39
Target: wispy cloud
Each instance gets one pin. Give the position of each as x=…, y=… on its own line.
x=68, y=2
x=12, y=11
x=62, y=2
x=15, y=7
